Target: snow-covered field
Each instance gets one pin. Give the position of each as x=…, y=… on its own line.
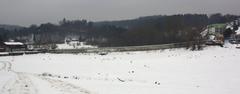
x=214, y=70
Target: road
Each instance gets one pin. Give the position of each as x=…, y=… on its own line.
x=27, y=83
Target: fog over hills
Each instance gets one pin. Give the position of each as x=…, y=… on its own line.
x=27, y=12
x=10, y=27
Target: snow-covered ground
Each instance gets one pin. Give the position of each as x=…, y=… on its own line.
x=214, y=70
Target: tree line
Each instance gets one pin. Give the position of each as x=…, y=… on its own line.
x=149, y=30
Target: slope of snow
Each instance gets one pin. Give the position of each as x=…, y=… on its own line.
x=67, y=46
x=214, y=70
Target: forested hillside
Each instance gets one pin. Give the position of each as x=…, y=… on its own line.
x=142, y=31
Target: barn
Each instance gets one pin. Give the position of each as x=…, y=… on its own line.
x=13, y=46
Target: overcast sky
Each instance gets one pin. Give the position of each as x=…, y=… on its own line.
x=26, y=12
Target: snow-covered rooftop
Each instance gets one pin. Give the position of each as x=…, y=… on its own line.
x=238, y=31
x=13, y=43
x=229, y=26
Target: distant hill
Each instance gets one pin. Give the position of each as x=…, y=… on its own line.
x=141, y=21
x=131, y=22
x=10, y=27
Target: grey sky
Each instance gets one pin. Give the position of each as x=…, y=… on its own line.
x=26, y=12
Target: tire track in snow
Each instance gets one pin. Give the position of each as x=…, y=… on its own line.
x=3, y=66
x=6, y=66
x=21, y=85
x=65, y=87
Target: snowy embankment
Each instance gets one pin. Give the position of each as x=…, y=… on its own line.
x=214, y=70
x=68, y=46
